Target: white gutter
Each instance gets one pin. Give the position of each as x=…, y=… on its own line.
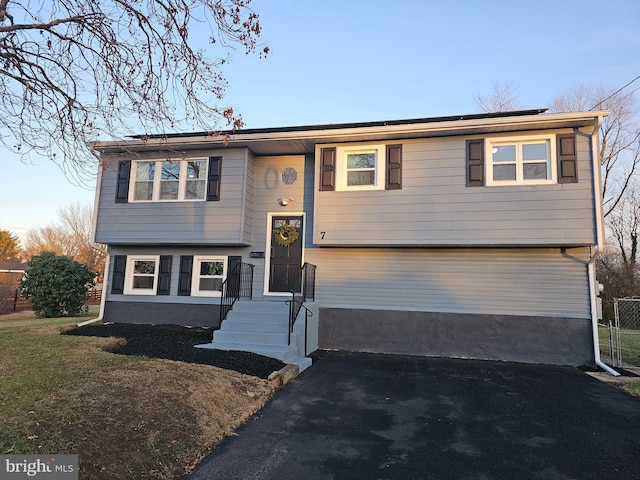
x=107, y=259
x=591, y=267
x=484, y=124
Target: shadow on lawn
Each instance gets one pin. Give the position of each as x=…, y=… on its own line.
x=173, y=342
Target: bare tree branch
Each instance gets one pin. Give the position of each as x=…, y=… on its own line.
x=619, y=137
x=502, y=99
x=71, y=235
x=73, y=71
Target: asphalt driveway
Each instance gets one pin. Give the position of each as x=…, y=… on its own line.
x=362, y=416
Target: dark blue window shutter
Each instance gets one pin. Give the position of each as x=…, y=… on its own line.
x=233, y=274
x=122, y=185
x=119, y=267
x=184, y=279
x=164, y=275
x=475, y=163
x=213, y=179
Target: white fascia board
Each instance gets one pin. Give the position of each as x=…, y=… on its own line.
x=533, y=121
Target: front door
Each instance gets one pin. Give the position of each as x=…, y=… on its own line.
x=286, y=253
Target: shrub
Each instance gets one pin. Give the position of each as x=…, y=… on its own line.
x=56, y=285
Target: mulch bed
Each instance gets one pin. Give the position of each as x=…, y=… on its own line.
x=173, y=342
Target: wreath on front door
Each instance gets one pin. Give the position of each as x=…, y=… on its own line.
x=285, y=235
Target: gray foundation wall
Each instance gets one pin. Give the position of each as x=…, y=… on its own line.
x=559, y=341
x=188, y=314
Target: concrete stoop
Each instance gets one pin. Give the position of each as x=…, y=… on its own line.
x=259, y=327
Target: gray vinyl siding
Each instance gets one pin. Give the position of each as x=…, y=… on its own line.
x=435, y=208
x=249, y=203
x=529, y=282
x=309, y=197
x=224, y=222
x=268, y=189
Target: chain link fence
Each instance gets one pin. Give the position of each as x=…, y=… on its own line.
x=620, y=338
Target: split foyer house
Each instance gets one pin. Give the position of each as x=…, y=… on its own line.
x=469, y=236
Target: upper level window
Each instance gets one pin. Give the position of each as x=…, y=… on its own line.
x=513, y=161
x=208, y=275
x=141, y=274
x=167, y=180
x=361, y=167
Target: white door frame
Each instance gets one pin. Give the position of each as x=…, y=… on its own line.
x=267, y=260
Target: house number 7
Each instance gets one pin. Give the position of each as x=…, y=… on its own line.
x=322, y=234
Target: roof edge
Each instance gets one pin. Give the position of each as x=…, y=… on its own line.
x=334, y=126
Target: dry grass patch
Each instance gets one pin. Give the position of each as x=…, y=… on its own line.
x=158, y=418
x=127, y=417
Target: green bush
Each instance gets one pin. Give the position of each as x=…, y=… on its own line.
x=56, y=285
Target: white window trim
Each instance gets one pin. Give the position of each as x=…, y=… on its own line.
x=128, y=284
x=490, y=142
x=341, y=166
x=195, y=274
x=182, y=181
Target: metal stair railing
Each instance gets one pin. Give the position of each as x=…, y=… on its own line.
x=304, y=288
x=239, y=284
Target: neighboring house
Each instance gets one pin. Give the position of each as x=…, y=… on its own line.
x=468, y=236
x=11, y=273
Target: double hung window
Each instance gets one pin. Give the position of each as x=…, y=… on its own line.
x=168, y=180
x=141, y=274
x=361, y=167
x=520, y=161
x=208, y=275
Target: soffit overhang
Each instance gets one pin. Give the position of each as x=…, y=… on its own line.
x=301, y=140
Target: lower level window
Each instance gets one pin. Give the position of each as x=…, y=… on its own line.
x=141, y=274
x=208, y=275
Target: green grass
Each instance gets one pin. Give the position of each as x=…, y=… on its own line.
x=629, y=345
x=35, y=362
x=633, y=388
x=65, y=394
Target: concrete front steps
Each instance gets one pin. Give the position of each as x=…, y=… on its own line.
x=261, y=327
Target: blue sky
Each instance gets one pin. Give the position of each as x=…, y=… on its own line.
x=365, y=60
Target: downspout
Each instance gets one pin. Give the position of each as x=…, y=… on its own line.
x=103, y=299
x=107, y=259
x=591, y=268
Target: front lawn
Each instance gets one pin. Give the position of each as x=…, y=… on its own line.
x=126, y=416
